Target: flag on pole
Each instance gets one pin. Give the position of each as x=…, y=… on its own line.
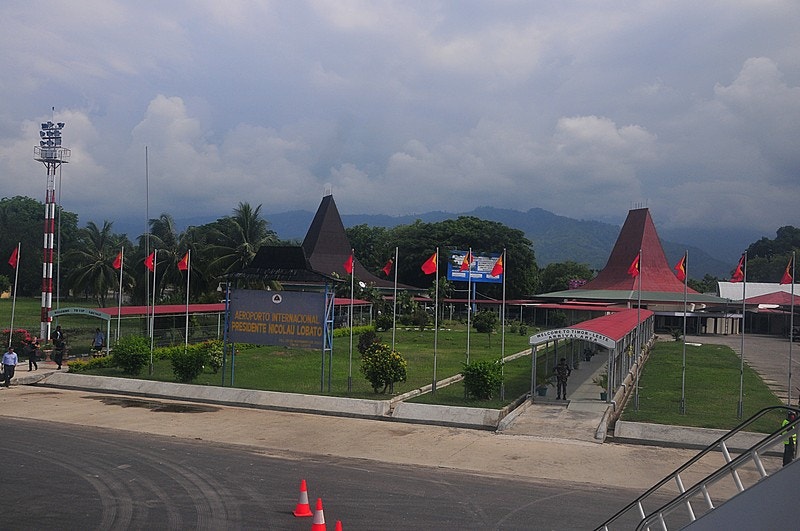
x=787, y=275
x=387, y=269
x=680, y=267
x=429, y=267
x=633, y=270
x=497, y=270
x=738, y=274
x=149, y=262
x=118, y=261
x=467, y=262
x=183, y=265
x=348, y=266
x=12, y=261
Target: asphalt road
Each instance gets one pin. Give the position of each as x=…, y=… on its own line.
x=62, y=476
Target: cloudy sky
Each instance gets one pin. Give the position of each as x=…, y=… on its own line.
x=584, y=108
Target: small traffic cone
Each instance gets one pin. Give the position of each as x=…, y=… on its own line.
x=319, y=518
x=338, y=525
x=303, y=508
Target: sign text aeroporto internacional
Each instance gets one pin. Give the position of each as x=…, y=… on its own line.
x=291, y=319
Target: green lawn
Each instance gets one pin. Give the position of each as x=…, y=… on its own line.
x=711, y=390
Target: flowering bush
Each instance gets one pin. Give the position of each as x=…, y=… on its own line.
x=18, y=337
x=382, y=366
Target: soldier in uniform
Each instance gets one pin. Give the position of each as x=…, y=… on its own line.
x=562, y=371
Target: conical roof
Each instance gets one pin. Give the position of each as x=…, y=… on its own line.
x=638, y=233
x=327, y=247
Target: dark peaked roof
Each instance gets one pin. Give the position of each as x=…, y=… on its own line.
x=328, y=248
x=287, y=264
x=638, y=232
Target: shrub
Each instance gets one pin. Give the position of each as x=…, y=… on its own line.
x=91, y=364
x=677, y=334
x=366, y=340
x=19, y=336
x=131, y=354
x=188, y=364
x=213, y=354
x=382, y=366
x=482, y=379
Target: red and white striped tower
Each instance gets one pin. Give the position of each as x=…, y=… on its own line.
x=50, y=153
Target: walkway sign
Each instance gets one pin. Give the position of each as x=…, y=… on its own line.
x=573, y=333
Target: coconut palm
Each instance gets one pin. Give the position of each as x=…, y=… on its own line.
x=234, y=240
x=92, y=261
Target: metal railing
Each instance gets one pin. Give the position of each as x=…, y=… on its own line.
x=674, y=511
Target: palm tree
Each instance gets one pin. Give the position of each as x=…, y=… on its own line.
x=92, y=261
x=234, y=240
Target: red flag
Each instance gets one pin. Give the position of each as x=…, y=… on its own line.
x=149, y=262
x=429, y=267
x=497, y=270
x=118, y=261
x=13, y=260
x=787, y=275
x=388, y=267
x=348, y=266
x=183, y=265
x=680, y=267
x=633, y=270
x=466, y=262
x=738, y=274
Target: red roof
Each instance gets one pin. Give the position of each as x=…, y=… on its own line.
x=780, y=298
x=638, y=232
x=616, y=325
x=178, y=309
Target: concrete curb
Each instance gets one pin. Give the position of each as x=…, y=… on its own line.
x=681, y=436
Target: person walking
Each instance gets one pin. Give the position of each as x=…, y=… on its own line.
x=29, y=352
x=10, y=361
x=789, y=443
x=562, y=371
x=59, y=344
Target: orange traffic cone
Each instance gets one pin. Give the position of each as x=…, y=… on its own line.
x=319, y=518
x=303, y=508
x=338, y=525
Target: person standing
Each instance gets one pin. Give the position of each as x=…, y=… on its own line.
x=59, y=344
x=98, y=341
x=10, y=361
x=789, y=443
x=29, y=351
x=562, y=371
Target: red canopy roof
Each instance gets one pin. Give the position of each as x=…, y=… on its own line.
x=779, y=298
x=616, y=325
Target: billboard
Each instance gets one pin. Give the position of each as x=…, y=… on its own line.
x=479, y=270
x=283, y=318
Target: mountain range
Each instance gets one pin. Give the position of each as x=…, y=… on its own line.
x=559, y=239
x=555, y=238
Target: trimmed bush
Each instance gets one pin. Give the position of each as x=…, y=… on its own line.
x=90, y=364
x=131, y=354
x=188, y=365
x=482, y=379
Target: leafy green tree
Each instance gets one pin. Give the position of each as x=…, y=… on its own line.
x=767, y=258
x=91, y=262
x=486, y=321
x=557, y=276
x=233, y=241
x=21, y=221
x=372, y=246
x=131, y=354
x=707, y=285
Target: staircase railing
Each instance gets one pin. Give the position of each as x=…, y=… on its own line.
x=671, y=511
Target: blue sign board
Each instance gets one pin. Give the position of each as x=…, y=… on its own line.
x=479, y=270
x=285, y=318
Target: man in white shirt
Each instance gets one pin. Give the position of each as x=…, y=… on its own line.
x=10, y=361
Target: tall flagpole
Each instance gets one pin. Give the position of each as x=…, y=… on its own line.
x=469, y=296
x=435, y=322
x=352, y=289
x=153, y=309
x=638, y=356
x=394, y=302
x=740, y=408
x=119, y=296
x=14, y=299
x=147, y=253
x=791, y=336
x=685, y=296
x=188, y=274
x=503, y=333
